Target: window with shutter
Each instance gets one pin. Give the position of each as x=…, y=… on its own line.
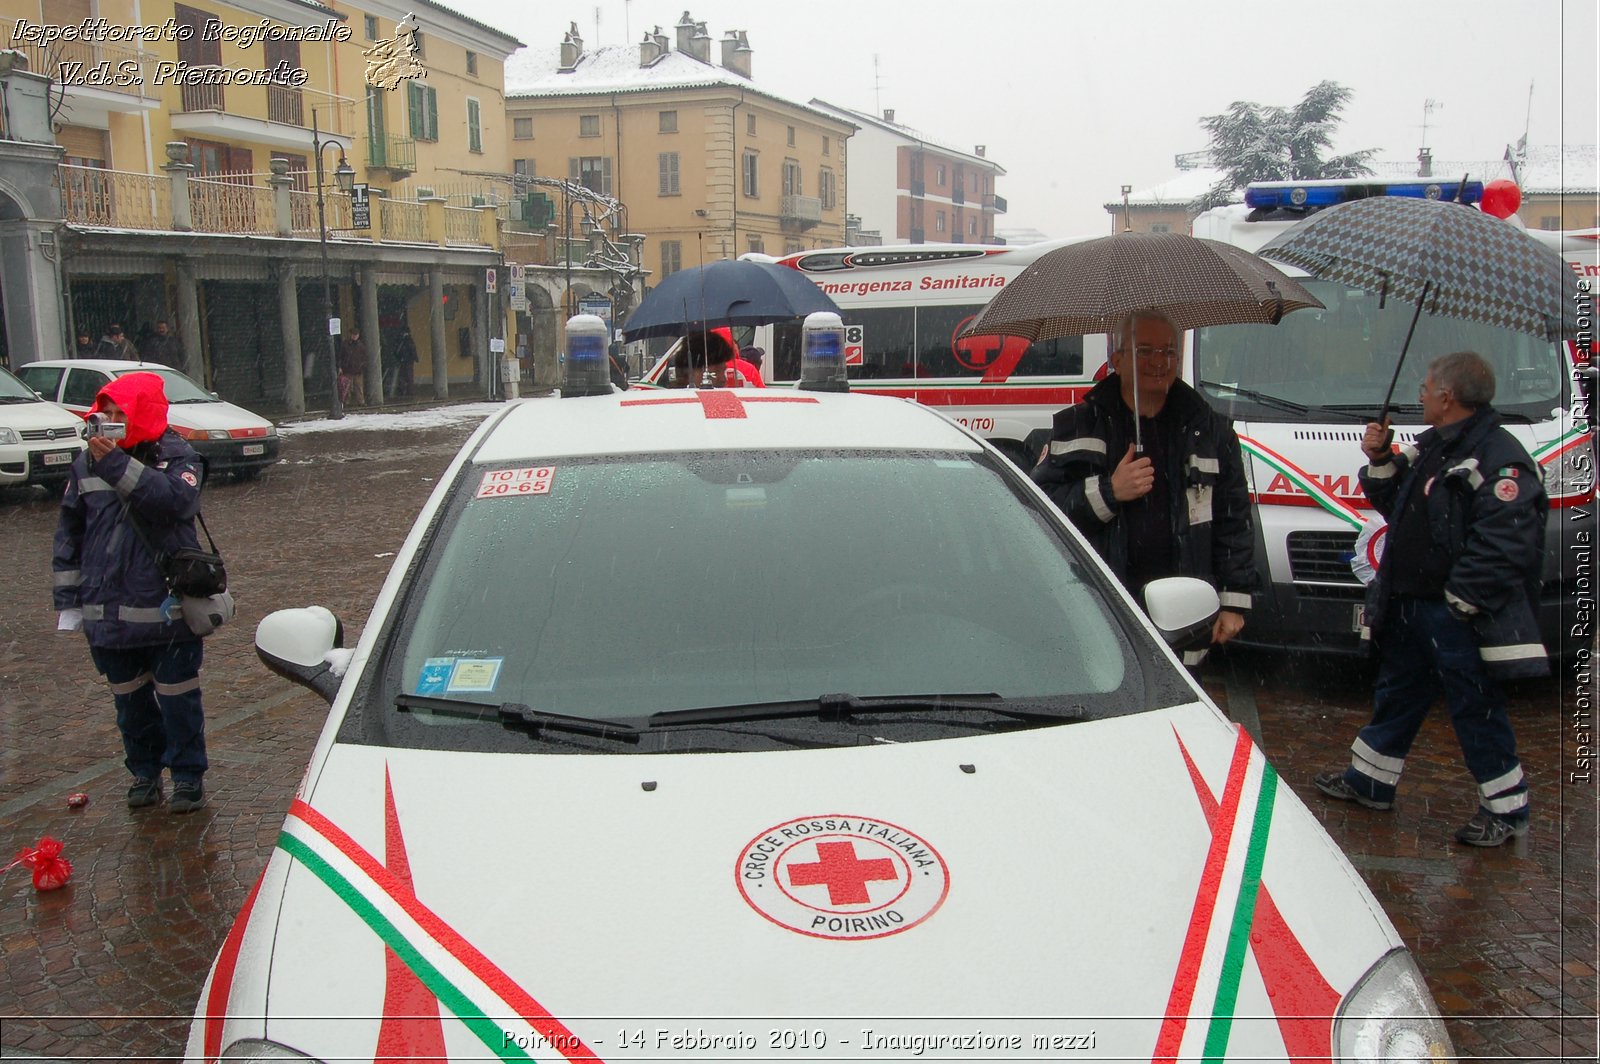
x=667, y=165
x=474, y=127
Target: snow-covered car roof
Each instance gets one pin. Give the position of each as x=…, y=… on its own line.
x=642, y=421
x=108, y=365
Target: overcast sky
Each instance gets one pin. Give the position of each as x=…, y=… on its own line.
x=1076, y=99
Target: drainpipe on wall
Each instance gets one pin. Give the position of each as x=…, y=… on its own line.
x=738, y=168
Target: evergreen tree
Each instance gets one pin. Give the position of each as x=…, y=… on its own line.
x=1256, y=142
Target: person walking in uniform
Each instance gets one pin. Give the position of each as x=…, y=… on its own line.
x=1452, y=607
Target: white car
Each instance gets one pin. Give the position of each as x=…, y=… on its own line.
x=737, y=724
x=228, y=438
x=38, y=439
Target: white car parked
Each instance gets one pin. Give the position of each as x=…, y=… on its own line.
x=38, y=439
x=228, y=438
x=738, y=724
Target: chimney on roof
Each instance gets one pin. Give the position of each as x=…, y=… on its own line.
x=571, y=48
x=980, y=150
x=652, y=47
x=700, y=43
x=1424, y=162
x=685, y=30
x=736, y=53
x=888, y=115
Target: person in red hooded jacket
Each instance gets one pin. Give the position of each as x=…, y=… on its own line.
x=109, y=585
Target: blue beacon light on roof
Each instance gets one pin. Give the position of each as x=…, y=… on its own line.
x=1305, y=195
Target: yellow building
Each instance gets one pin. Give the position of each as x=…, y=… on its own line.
x=705, y=164
x=171, y=117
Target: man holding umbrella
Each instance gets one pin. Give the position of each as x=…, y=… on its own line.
x=1153, y=477
x=1452, y=605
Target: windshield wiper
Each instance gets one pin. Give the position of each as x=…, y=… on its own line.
x=840, y=707
x=518, y=715
x=17, y=399
x=1274, y=400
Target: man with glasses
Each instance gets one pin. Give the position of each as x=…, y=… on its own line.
x=1153, y=477
x=1452, y=606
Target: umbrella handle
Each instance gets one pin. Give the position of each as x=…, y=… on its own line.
x=1383, y=411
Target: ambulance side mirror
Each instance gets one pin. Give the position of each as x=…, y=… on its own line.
x=296, y=645
x=1182, y=608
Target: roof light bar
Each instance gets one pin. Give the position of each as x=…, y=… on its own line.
x=1266, y=195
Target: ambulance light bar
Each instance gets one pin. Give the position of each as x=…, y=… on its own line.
x=1267, y=195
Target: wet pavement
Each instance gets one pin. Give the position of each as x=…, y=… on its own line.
x=112, y=965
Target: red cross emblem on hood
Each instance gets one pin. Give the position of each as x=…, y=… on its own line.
x=844, y=874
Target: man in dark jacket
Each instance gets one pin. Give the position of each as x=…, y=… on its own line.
x=1179, y=508
x=161, y=346
x=109, y=584
x=1453, y=604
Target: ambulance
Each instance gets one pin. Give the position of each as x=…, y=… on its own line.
x=917, y=780
x=1300, y=393
x=904, y=308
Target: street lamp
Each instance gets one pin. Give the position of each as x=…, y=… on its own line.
x=345, y=175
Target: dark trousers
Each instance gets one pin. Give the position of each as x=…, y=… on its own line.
x=1424, y=649
x=157, y=692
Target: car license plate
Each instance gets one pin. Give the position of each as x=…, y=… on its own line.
x=58, y=458
x=1358, y=619
x=254, y=448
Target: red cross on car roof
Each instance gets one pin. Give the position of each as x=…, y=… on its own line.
x=720, y=402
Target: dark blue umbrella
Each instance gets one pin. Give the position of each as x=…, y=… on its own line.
x=725, y=292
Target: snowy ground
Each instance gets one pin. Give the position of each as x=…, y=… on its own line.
x=407, y=420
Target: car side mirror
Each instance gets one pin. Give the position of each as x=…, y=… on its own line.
x=1182, y=608
x=295, y=644
x=214, y=395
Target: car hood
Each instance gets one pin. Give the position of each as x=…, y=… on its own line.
x=40, y=415
x=219, y=415
x=1137, y=867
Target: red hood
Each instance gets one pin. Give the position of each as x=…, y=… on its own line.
x=143, y=398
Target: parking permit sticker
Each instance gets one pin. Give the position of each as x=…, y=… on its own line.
x=474, y=674
x=435, y=674
x=509, y=483
x=842, y=877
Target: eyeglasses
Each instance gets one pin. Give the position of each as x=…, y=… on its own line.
x=1146, y=352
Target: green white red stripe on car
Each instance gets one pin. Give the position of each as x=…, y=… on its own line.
x=487, y=1001
x=1303, y=481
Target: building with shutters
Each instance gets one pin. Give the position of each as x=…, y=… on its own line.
x=706, y=164
x=171, y=175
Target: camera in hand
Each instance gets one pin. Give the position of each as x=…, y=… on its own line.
x=104, y=427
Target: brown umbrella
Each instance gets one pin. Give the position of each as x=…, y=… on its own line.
x=1089, y=287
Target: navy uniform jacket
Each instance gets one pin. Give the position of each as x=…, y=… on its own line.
x=1486, y=510
x=101, y=566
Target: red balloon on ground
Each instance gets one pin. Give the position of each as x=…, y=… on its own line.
x=1501, y=198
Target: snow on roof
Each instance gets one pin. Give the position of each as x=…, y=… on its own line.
x=1549, y=169
x=1178, y=191
x=907, y=132
x=615, y=68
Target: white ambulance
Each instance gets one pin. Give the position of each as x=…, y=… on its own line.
x=915, y=780
x=1300, y=393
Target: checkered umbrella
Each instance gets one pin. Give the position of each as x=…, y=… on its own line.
x=1089, y=286
x=1442, y=257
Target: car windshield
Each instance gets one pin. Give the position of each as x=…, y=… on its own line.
x=1344, y=357
x=179, y=389
x=634, y=586
x=13, y=390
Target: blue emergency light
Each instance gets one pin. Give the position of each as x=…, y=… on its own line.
x=1310, y=195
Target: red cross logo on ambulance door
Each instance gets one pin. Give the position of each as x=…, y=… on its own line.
x=842, y=877
x=996, y=357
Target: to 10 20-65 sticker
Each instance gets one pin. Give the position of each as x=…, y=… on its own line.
x=509, y=483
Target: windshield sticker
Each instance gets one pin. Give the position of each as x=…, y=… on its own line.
x=842, y=877
x=508, y=483
x=435, y=674
x=474, y=674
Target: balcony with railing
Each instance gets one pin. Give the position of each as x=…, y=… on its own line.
x=958, y=195
x=995, y=203
x=231, y=203
x=396, y=154
x=463, y=225
x=91, y=195
x=279, y=115
x=405, y=221
x=93, y=76
x=199, y=96
x=800, y=212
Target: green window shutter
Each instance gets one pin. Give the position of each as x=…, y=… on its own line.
x=433, y=114
x=414, y=115
x=605, y=176
x=474, y=133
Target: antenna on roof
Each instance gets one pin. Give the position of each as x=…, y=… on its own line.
x=877, y=87
x=627, y=33
x=597, y=26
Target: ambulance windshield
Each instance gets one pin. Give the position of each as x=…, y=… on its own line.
x=636, y=585
x=1343, y=358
